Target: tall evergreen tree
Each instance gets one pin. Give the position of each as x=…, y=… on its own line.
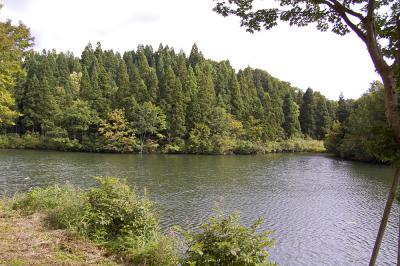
x=307, y=114
x=173, y=104
x=291, y=123
x=195, y=56
x=206, y=93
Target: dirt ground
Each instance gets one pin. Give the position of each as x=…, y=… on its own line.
x=24, y=240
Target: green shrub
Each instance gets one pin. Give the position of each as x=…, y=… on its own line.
x=32, y=141
x=26, y=141
x=223, y=144
x=66, y=207
x=163, y=251
x=118, y=217
x=245, y=147
x=150, y=146
x=64, y=144
x=199, y=141
x=114, y=216
x=111, y=214
x=224, y=241
x=175, y=146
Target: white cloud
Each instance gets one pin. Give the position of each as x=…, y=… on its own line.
x=304, y=57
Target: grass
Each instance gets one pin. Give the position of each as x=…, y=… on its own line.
x=111, y=224
x=26, y=240
x=111, y=217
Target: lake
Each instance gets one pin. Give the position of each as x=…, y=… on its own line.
x=323, y=211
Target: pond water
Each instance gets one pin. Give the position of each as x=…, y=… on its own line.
x=323, y=211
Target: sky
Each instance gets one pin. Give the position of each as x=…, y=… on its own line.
x=304, y=57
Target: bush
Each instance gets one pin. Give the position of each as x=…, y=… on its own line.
x=223, y=144
x=245, y=147
x=118, y=217
x=175, y=146
x=112, y=215
x=26, y=141
x=224, y=241
x=163, y=251
x=64, y=144
x=66, y=207
x=302, y=145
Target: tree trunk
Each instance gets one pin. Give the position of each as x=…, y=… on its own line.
x=393, y=118
x=398, y=246
x=385, y=217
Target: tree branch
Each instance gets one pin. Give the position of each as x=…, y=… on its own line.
x=371, y=7
x=348, y=10
x=341, y=10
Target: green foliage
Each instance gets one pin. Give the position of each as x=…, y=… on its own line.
x=117, y=135
x=199, y=139
x=307, y=114
x=155, y=101
x=148, y=119
x=26, y=141
x=364, y=135
x=118, y=217
x=334, y=138
x=77, y=119
x=111, y=214
x=65, y=206
x=163, y=251
x=224, y=241
x=300, y=145
x=15, y=41
x=64, y=144
x=291, y=123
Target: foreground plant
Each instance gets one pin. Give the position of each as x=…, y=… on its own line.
x=115, y=217
x=224, y=241
x=112, y=215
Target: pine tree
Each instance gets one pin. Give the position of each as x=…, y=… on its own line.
x=323, y=121
x=307, y=114
x=236, y=96
x=344, y=109
x=39, y=105
x=195, y=56
x=291, y=123
x=173, y=104
x=206, y=93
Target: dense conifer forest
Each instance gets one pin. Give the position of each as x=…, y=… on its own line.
x=149, y=100
x=164, y=101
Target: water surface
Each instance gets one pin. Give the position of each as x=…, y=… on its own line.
x=323, y=211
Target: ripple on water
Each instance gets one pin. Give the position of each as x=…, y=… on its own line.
x=323, y=211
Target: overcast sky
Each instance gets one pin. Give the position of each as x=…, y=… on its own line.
x=304, y=57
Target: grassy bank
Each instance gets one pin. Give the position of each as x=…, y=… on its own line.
x=26, y=240
x=35, y=141
x=111, y=224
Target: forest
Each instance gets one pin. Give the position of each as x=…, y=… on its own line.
x=162, y=101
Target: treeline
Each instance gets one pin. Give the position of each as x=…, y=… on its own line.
x=154, y=101
x=361, y=131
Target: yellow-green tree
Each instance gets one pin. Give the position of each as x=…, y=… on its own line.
x=116, y=133
x=14, y=43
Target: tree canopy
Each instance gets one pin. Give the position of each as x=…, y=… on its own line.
x=15, y=42
x=376, y=23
